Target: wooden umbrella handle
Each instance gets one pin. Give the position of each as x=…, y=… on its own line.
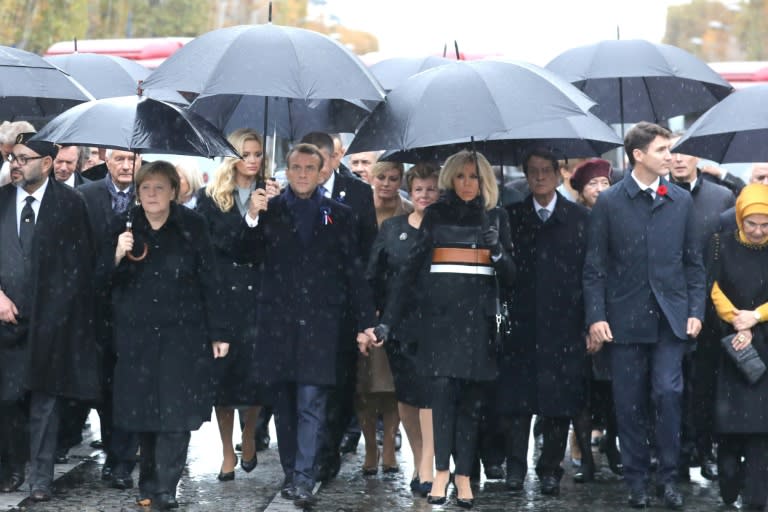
x=129, y=255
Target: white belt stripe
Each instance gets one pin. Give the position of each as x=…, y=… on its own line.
x=462, y=269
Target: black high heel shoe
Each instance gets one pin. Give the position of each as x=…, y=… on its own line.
x=439, y=500
x=424, y=489
x=249, y=465
x=467, y=504
x=228, y=476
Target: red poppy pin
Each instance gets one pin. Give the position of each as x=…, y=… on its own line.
x=662, y=190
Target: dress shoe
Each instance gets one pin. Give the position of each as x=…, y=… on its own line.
x=390, y=469
x=328, y=469
x=165, y=501
x=349, y=442
x=673, y=499
x=226, y=477
x=13, y=482
x=39, y=495
x=97, y=444
x=550, y=486
x=709, y=469
x=494, y=472
x=639, y=499
x=106, y=472
x=465, y=503
x=414, y=485
x=424, y=489
x=514, y=483
x=585, y=475
x=249, y=465
x=121, y=482
x=439, y=500
x=303, y=497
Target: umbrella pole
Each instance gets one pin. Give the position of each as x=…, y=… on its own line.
x=456, y=49
x=262, y=183
x=621, y=116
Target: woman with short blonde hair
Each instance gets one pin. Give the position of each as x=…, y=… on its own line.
x=489, y=190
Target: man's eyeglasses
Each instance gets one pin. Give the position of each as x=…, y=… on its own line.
x=22, y=159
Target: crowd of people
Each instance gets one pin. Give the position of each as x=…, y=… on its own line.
x=620, y=307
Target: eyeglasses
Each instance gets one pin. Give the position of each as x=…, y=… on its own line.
x=22, y=159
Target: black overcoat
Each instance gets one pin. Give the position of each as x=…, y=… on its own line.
x=544, y=362
x=166, y=313
x=305, y=291
x=456, y=312
x=61, y=357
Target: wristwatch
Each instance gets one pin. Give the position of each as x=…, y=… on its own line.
x=757, y=316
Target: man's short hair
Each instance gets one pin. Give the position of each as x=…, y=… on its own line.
x=544, y=153
x=305, y=149
x=319, y=139
x=640, y=137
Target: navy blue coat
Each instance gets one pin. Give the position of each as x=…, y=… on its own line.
x=639, y=250
x=305, y=290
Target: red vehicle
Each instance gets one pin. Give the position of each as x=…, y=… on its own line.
x=149, y=52
x=742, y=73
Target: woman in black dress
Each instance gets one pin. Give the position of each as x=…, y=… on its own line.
x=463, y=246
x=389, y=254
x=167, y=326
x=224, y=203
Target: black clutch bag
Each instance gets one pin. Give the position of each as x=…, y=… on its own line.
x=12, y=335
x=746, y=360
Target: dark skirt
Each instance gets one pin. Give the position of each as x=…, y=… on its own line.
x=411, y=388
x=236, y=383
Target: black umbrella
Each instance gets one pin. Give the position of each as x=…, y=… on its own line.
x=393, y=72
x=266, y=61
x=138, y=124
x=636, y=80
x=453, y=103
x=734, y=130
x=571, y=137
x=31, y=88
x=107, y=76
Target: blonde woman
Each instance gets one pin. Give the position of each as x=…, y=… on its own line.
x=191, y=181
x=224, y=203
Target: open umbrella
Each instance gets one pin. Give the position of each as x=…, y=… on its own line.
x=138, y=124
x=734, y=130
x=266, y=61
x=31, y=88
x=635, y=80
x=454, y=103
x=107, y=76
x=393, y=72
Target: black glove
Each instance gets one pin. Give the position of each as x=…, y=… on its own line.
x=490, y=238
x=381, y=332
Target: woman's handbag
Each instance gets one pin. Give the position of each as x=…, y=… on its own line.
x=747, y=360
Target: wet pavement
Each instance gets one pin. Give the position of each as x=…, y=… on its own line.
x=81, y=490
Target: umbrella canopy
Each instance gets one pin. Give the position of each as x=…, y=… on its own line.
x=636, y=80
x=141, y=125
x=266, y=61
x=734, y=130
x=393, y=72
x=572, y=137
x=31, y=88
x=107, y=76
x=451, y=104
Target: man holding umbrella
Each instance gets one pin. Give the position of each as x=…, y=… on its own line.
x=644, y=290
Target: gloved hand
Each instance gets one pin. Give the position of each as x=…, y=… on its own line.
x=381, y=332
x=490, y=238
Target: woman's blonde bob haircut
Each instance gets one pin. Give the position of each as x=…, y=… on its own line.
x=455, y=163
x=223, y=184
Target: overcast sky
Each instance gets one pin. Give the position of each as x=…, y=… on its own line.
x=533, y=31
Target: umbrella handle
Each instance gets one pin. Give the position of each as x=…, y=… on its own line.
x=128, y=226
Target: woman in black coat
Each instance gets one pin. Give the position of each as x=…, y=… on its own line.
x=223, y=203
x=167, y=329
x=463, y=247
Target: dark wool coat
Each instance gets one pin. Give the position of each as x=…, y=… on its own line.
x=544, y=361
x=166, y=313
x=61, y=356
x=457, y=311
x=305, y=290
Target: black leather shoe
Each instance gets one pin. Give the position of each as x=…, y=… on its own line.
x=97, y=444
x=494, y=472
x=13, y=482
x=424, y=489
x=439, y=500
x=709, y=469
x=673, y=499
x=639, y=499
x=39, y=495
x=121, y=482
x=303, y=497
x=262, y=441
x=164, y=501
x=328, y=470
x=466, y=504
x=106, y=472
x=249, y=465
x=550, y=486
x=584, y=476
x=514, y=483
x=349, y=442
x=226, y=477
x=287, y=491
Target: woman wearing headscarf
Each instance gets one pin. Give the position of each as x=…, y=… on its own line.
x=462, y=248
x=224, y=203
x=740, y=294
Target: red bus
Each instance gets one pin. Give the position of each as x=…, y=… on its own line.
x=742, y=73
x=149, y=51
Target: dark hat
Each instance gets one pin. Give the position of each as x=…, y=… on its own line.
x=40, y=147
x=585, y=171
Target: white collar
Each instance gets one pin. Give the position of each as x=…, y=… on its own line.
x=653, y=186
x=550, y=207
x=71, y=180
x=329, y=183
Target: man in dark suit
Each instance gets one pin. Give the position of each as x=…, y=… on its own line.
x=644, y=289
x=697, y=444
x=50, y=290
x=312, y=272
x=358, y=195
x=106, y=198
x=67, y=164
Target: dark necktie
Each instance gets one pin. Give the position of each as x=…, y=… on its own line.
x=649, y=192
x=27, y=225
x=121, y=201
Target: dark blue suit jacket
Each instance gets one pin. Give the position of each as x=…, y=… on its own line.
x=641, y=253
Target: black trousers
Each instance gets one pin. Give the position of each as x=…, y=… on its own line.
x=73, y=415
x=43, y=434
x=340, y=408
x=456, y=419
x=163, y=455
x=491, y=440
x=555, y=432
x=14, y=437
x=747, y=477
